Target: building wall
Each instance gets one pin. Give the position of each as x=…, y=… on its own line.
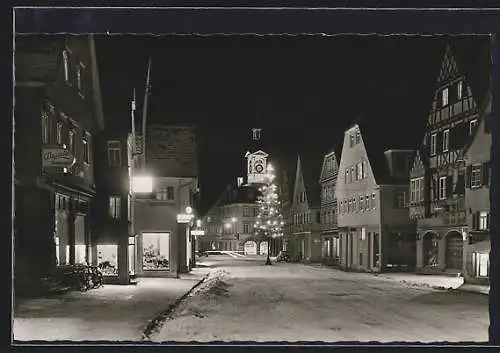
x=305, y=242
x=41, y=90
x=151, y=215
x=368, y=186
x=477, y=200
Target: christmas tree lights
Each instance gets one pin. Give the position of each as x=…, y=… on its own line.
x=269, y=224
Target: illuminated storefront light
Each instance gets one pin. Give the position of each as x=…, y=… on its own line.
x=142, y=184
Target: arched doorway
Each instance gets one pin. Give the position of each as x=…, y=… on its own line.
x=431, y=250
x=250, y=248
x=454, y=250
x=263, y=248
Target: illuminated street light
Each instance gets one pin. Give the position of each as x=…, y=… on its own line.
x=142, y=184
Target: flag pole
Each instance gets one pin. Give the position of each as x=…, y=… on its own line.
x=144, y=115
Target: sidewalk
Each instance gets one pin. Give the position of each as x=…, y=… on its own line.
x=111, y=313
x=443, y=282
x=436, y=281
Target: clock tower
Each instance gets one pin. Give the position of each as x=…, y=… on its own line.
x=256, y=160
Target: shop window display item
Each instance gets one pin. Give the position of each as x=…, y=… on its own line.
x=107, y=259
x=156, y=251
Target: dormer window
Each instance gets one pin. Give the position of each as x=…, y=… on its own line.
x=444, y=97
x=45, y=127
x=65, y=55
x=472, y=126
x=80, y=72
x=358, y=137
x=72, y=141
x=59, y=131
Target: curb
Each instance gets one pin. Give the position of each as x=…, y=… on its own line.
x=460, y=289
x=164, y=315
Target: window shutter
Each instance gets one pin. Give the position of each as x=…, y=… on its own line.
x=439, y=142
x=488, y=221
x=476, y=227
x=449, y=186
x=468, y=176
x=453, y=138
x=475, y=219
x=485, y=177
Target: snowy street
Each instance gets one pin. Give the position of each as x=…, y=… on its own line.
x=243, y=300
x=111, y=313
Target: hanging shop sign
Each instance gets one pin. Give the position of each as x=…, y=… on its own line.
x=184, y=218
x=197, y=232
x=57, y=156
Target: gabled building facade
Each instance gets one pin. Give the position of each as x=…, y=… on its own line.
x=163, y=246
x=375, y=234
x=437, y=187
x=304, y=243
x=330, y=251
x=58, y=111
x=477, y=201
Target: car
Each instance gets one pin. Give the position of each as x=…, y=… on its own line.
x=283, y=256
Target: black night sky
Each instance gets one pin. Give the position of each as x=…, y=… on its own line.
x=303, y=90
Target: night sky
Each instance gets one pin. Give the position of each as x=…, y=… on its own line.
x=302, y=90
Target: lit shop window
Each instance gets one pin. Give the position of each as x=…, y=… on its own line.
x=156, y=251
x=131, y=255
x=482, y=264
x=80, y=254
x=57, y=250
x=107, y=259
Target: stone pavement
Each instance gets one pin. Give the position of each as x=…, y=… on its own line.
x=110, y=313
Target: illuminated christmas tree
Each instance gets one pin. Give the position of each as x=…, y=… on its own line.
x=269, y=224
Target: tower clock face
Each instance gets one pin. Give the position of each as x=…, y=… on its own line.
x=259, y=166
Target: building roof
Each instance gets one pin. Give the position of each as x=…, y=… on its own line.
x=310, y=164
x=473, y=58
x=485, y=112
x=381, y=132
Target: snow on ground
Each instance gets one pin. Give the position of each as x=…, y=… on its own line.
x=112, y=312
x=248, y=301
x=429, y=281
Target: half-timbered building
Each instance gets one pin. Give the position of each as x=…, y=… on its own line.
x=438, y=174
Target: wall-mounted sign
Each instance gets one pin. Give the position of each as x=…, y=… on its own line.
x=57, y=156
x=197, y=232
x=184, y=218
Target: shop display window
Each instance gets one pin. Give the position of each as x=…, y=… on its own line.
x=80, y=254
x=131, y=255
x=58, y=257
x=107, y=259
x=482, y=264
x=156, y=251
